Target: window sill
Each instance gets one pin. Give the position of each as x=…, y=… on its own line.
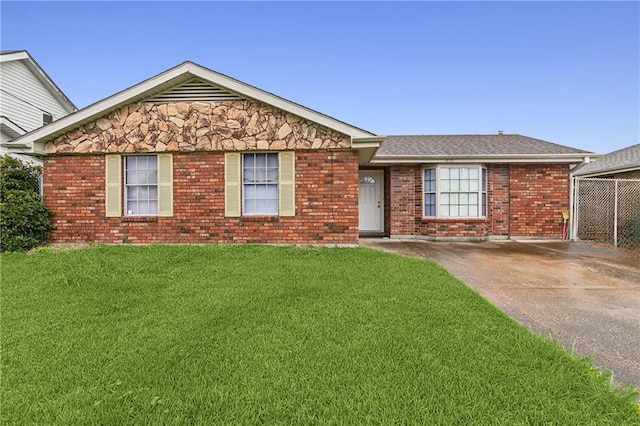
x=453, y=219
x=139, y=219
x=261, y=218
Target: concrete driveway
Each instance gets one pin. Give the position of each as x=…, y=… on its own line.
x=586, y=296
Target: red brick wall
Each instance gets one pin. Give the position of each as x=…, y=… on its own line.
x=326, y=203
x=523, y=200
x=537, y=193
x=498, y=199
x=403, y=188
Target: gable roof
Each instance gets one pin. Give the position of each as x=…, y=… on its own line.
x=176, y=77
x=41, y=75
x=499, y=148
x=622, y=160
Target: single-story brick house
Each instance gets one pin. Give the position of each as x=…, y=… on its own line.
x=193, y=156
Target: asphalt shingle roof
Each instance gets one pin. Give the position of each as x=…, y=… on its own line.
x=469, y=145
x=622, y=159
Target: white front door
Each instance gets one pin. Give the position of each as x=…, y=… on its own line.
x=371, y=217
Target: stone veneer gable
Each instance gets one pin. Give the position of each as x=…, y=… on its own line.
x=197, y=126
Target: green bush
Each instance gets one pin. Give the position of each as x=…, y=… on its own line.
x=25, y=222
x=18, y=175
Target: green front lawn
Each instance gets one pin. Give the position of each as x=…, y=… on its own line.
x=274, y=335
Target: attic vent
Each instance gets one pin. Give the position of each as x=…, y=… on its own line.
x=194, y=90
x=46, y=118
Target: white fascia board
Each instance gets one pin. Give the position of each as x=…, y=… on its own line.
x=607, y=172
x=511, y=158
x=176, y=75
x=10, y=144
x=366, y=148
x=371, y=142
x=14, y=56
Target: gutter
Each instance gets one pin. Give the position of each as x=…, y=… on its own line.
x=466, y=159
x=607, y=172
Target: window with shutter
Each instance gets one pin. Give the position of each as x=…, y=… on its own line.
x=147, y=188
x=260, y=184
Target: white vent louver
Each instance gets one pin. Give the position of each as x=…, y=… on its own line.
x=192, y=91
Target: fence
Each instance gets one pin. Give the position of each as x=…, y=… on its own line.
x=607, y=211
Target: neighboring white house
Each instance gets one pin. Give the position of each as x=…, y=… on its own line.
x=29, y=99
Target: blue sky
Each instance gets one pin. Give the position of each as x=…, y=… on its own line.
x=566, y=72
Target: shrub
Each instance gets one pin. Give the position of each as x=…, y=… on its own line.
x=25, y=222
x=18, y=175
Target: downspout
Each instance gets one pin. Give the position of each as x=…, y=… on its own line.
x=574, y=191
x=572, y=208
x=576, y=211
x=615, y=214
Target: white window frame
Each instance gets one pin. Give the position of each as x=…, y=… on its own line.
x=128, y=185
x=274, y=182
x=440, y=191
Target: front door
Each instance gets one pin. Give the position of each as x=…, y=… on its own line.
x=371, y=217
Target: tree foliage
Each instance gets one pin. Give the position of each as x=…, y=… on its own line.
x=25, y=222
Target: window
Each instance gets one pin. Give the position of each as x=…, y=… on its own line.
x=146, y=185
x=141, y=182
x=430, y=192
x=46, y=118
x=455, y=192
x=260, y=184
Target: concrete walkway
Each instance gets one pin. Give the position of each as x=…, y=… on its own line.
x=586, y=296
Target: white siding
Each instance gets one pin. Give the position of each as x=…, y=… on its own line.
x=4, y=138
x=17, y=79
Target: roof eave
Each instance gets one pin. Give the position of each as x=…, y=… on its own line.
x=607, y=172
x=366, y=148
x=463, y=159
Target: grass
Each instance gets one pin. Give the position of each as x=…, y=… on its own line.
x=274, y=335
